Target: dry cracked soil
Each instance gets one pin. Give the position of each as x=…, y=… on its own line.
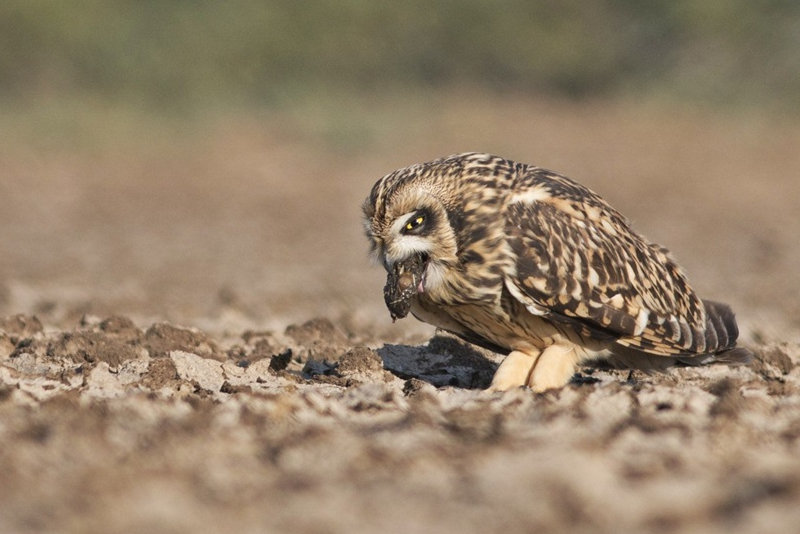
x=192, y=339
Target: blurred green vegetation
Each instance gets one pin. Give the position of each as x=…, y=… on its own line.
x=183, y=55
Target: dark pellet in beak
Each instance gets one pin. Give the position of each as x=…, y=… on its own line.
x=401, y=285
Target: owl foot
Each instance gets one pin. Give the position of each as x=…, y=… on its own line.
x=551, y=368
x=514, y=371
x=554, y=368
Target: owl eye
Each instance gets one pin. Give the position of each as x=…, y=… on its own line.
x=414, y=224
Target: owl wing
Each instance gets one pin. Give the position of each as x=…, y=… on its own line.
x=578, y=260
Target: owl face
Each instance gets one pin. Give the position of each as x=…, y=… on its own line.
x=408, y=234
x=409, y=231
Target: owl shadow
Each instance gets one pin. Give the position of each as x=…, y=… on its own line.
x=444, y=361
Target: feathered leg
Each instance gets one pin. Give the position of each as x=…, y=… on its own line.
x=554, y=368
x=514, y=371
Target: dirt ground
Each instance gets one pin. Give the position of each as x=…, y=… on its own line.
x=194, y=339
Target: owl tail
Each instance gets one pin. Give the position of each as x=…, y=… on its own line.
x=721, y=328
x=721, y=334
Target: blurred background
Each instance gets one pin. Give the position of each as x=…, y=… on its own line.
x=204, y=162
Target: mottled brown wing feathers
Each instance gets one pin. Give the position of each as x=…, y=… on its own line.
x=579, y=259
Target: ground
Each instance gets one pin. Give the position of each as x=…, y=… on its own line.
x=194, y=339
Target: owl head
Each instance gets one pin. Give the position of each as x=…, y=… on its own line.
x=408, y=221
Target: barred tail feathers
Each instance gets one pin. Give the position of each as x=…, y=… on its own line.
x=721, y=328
x=722, y=333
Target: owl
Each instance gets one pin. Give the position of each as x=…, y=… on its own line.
x=531, y=264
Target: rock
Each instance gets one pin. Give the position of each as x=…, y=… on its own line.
x=205, y=372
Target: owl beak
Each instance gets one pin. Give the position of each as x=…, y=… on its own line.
x=405, y=279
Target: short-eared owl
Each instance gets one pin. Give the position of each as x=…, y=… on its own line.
x=527, y=262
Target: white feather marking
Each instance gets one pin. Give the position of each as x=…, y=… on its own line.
x=530, y=305
x=577, y=294
x=593, y=212
x=641, y=321
x=403, y=247
x=535, y=310
x=539, y=283
x=434, y=276
x=608, y=227
x=594, y=278
x=530, y=196
x=617, y=301
x=578, y=267
x=631, y=273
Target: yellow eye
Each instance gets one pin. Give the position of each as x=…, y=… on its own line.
x=414, y=223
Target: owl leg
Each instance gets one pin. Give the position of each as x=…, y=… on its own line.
x=515, y=370
x=554, y=368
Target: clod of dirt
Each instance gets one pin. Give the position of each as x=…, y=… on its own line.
x=317, y=339
x=21, y=325
x=355, y=366
x=91, y=347
x=772, y=362
x=362, y=364
x=318, y=329
x=227, y=387
x=360, y=360
x=160, y=373
x=122, y=327
x=279, y=362
x=412, y=386
x=162, y=338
